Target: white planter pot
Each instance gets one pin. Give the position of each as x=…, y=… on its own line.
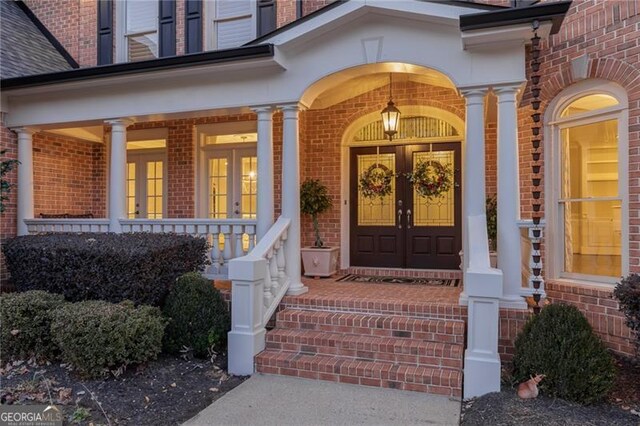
x=320, y=262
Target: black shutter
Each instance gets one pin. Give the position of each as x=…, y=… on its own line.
x=266, y=16
x=299, y=10
x=105, y=32
x=167, y=28
x=193, y=26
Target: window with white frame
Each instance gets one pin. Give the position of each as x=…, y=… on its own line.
x=229, y=23
x=588, y=224
x=137, y=28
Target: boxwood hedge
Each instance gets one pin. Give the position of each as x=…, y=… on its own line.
x=140, y=267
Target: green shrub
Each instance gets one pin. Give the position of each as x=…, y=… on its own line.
x=140, y=267
x=96, y=337
x=560, y=343
x=25, y=324
x=198, y=316
x=628, y=294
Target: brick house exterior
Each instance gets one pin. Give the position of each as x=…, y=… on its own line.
x=597, y=40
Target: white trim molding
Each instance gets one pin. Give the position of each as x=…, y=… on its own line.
x=554, y=256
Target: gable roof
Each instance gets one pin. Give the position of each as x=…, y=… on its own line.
x=26, y=46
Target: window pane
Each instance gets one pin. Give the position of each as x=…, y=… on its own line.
x=235, y=138
x=218, y=189
x=589, y=165
x=589, y=103
x=592, y=237
x=249, y=181
x=131, y=190
x=437, y=211
x=142, y=47
x=142, y=16
x=377, y=211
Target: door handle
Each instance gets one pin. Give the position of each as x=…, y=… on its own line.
x=408, y=218
x=399, y=218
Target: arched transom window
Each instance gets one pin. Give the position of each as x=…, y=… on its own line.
x=589, y=188
x=416, y=127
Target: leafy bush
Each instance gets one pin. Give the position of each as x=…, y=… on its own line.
x=628, y=294
x=198, y=316
x=560, y=343
x=25, y=324
x=140, y=267
x=96, y=337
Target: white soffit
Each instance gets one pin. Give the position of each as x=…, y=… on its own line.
x=91, y=133
x=492, y=38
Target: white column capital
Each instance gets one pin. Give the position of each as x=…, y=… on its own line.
x=291, y=110
x=121, y=123
x=474, y=93
x=263, y=111
x=507, y=93
x=25, y=130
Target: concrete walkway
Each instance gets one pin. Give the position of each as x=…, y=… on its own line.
x=278, y=400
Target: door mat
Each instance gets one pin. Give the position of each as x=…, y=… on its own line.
x=356, y=278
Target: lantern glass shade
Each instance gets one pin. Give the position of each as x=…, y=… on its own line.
x=390, y=119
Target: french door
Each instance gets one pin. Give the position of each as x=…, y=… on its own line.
x=146, y=185
x=403, y=229
x=232, y=183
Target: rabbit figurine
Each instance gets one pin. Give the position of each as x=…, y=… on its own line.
x=529, y=389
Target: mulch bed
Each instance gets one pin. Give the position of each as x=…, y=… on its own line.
x=167, y=391
x=505, y=408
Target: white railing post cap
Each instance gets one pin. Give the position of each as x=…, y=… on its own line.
x=247, y=268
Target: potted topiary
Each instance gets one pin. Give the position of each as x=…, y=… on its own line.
x=318, y=260
x=492, y=229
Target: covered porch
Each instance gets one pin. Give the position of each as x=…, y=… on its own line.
x=294, y=100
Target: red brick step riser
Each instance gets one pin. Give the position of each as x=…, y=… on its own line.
x=403, y=351
x=368, y=373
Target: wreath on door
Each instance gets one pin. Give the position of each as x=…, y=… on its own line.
x=431, y=179
x=376, y=181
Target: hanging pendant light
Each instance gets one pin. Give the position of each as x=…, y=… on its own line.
x=390, y=115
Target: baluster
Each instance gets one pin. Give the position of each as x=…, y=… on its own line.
x=226, y=251
x=268, y=282
x=215, y=248
x=250, y=230
x=239, y=232
x=281, y=261
x=273, y=272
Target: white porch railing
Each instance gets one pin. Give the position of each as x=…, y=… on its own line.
x=530, y=240
x=228, y=238
x=259, y=281
x=483, y=286
x=40, y=226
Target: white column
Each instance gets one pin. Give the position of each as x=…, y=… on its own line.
x=265, y=170
x=473, y=189
x=25, y=177
x=291, y=196
x=509, y=249
x=118, y=173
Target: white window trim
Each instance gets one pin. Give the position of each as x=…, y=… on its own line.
x=554, y=256
x=120, y=31
x=210, y=43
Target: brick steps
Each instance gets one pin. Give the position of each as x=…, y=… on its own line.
x=400, y=352
x=396, y=350
x=359, y=372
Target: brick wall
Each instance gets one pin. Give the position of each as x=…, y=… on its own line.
x=63, y=176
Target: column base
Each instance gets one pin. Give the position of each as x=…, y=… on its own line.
x=242, y=348
x=296, y=288
x=481, y=375
x=463, y=300
x=513, y=301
